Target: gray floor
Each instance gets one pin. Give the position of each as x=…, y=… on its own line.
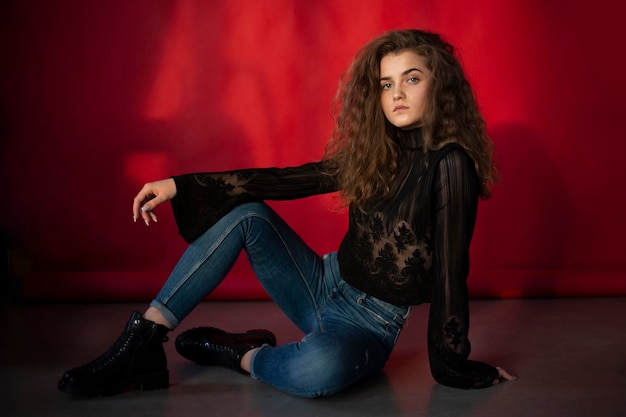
x=569, y=354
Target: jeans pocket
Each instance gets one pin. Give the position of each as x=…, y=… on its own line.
x=384, y=322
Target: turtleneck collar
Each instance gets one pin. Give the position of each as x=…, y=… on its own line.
x=409, y=139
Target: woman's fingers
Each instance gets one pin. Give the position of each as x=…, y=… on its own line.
x=147, y=210
x=150, y=196
x=153, y=216
x=139, y=203
x=503, y=375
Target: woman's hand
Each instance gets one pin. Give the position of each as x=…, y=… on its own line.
x=151, y=195
x=503, y=376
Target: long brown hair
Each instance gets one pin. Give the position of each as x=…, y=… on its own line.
x=362, y=153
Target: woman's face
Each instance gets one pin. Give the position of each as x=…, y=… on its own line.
x=404, y=84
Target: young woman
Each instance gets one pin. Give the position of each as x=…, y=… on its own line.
x=410, y=157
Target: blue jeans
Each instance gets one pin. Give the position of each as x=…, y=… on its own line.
x=349, y=335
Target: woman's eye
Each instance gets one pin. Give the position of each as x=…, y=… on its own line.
x=385, y=86
x=413, y=80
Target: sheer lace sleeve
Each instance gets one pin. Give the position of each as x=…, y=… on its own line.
x=455, y=199
x=203, y=198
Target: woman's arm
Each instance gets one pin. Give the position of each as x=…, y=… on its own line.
x=456, y=189
x=204, y=198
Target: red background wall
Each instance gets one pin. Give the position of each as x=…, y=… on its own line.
x=99, y=97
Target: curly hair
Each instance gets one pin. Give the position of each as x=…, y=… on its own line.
x=362, y=153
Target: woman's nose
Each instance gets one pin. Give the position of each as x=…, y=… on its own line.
x=398, y=93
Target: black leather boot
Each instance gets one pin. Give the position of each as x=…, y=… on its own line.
x=211, y=346
x=136, y=359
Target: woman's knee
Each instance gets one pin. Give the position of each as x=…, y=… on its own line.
x=331, y=376
x=319, y=372
x=252, y=208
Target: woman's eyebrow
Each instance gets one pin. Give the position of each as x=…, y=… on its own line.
x=404, y=73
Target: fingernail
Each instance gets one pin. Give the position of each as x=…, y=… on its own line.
x=135, y=219
x=147, y=223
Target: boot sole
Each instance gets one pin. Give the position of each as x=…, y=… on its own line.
x=210, y=357
x=239, y=336
x=146, y=382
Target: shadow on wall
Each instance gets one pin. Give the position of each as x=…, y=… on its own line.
x=525, y=227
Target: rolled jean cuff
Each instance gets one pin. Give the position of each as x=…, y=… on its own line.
x=169, y=316
x=256, y=352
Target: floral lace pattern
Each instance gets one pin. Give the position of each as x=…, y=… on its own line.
x=455, y=336
x=395, y=255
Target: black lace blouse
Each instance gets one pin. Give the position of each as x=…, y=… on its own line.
x=406, y=250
